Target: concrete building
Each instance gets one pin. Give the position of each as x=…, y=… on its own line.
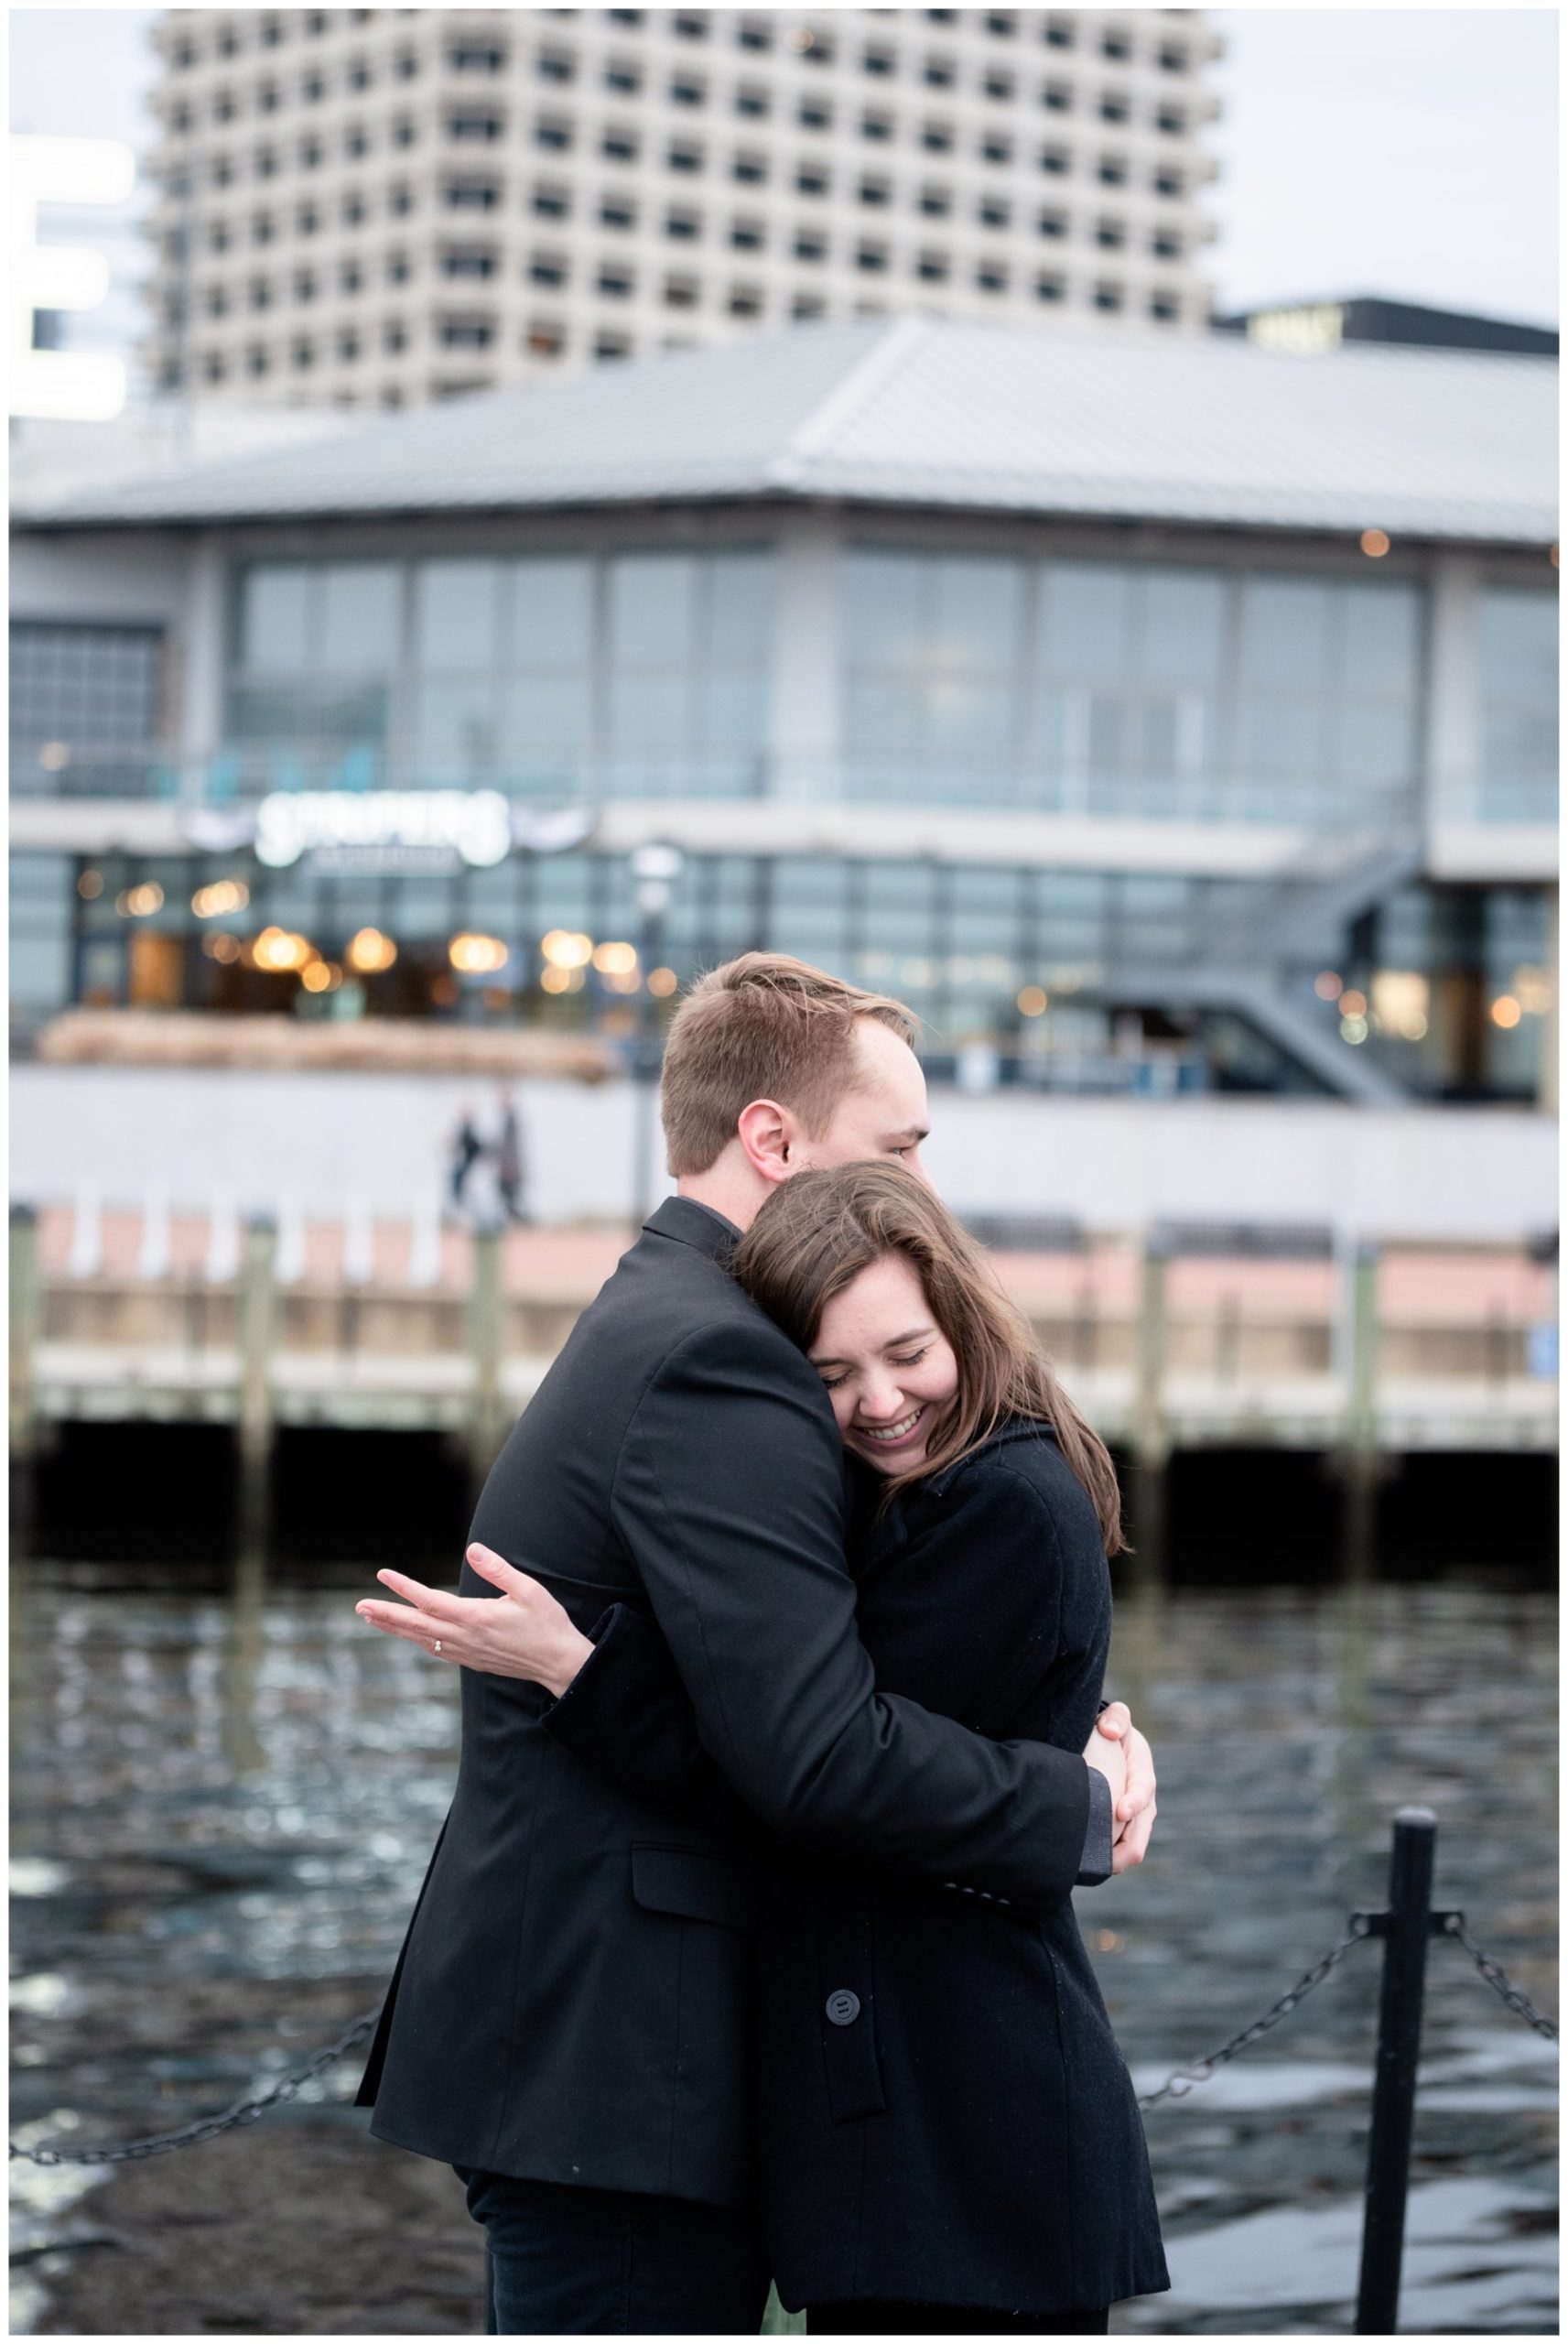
x=1190, y=728
x=378, y=207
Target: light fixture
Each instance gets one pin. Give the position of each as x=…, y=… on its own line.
x=280, y=949
x=222, y=897
x=615, y=960
x=1327, y=985
x=1374, y=542
x=566, y=947
x=477, y=956
x=370, y=952
x=1032, y=1001
x=662, y=982
x=1352, y=1003
x=90, y=886
x=1506, y=1011
x=140, y=902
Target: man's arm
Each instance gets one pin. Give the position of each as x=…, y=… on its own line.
x=626, y=1711
x=728, y=1499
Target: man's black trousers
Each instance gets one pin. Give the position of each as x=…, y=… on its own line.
x=567, y=2261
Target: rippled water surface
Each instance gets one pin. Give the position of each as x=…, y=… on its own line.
x=224, y=1796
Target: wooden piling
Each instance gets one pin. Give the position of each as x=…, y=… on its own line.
x=26, y=1303
x=1359, y=1456
x=487, y=1311
x=1150, y=1430
x=257, y=1335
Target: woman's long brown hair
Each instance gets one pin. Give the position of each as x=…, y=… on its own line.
x=820, y=1230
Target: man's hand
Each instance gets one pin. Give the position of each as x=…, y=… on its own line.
x=526, y=1635
x=1134, y=1806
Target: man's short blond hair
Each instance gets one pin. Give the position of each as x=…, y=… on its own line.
x=763, y=1026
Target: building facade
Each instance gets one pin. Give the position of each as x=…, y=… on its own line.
x=379, y=207
x=1235, y=776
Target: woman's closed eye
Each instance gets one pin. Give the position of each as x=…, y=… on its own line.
x=909, y=1358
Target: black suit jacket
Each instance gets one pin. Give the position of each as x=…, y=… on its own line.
x=572, y=2001
x=942, y=2113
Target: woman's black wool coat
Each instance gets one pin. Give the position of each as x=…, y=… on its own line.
x=945, y=2114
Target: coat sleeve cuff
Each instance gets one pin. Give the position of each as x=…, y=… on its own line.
x=1095, y=1862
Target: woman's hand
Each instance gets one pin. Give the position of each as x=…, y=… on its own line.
x=526, y=1634
x=1133, y=1806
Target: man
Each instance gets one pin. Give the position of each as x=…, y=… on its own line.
x=566, y=2024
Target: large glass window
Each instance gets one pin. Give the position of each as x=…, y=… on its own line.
x=43, y=894
x=1329, y=692
x=932, y=646
x=1129, y=668
x=86, y=708
x=317, y=651
x=1155, y=689
x=688, y=650
x=1518, y=705
x=554, y=676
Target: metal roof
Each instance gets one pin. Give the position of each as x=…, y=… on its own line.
x=1062, y=419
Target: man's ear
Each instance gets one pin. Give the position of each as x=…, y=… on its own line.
x=767, y=1132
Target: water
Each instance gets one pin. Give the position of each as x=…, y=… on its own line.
x=224, y=1798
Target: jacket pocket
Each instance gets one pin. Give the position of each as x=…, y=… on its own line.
x=698, y=1887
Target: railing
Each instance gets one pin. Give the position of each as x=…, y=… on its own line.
x=1405, y=1926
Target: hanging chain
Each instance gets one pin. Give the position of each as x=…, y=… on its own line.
x=1177, y=2086
x=244, y=2112
x=1183, y=2079
x=1497, y=1979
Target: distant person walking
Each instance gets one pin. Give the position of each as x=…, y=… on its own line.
x=510, y=1169
x=466, y=1151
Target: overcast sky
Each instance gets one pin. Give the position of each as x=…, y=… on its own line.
x=1410, y=152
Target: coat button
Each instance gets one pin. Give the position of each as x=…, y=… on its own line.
x=843, y=2007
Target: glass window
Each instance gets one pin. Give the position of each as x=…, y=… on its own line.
x=552, y=613
x=1284, y=633
x=81, y=698
x=454, y=726
x=1382, y=645
x=546, y=716
x=882, y=611
x=455, y=615
x=740, y=604
x=933, y=645
x=1183, y=625
x=275, y=619
x=359, y=618
x=652, y=610
x=43, y=888
x=1087, y=620
x=809, y=910
x=1518, y=695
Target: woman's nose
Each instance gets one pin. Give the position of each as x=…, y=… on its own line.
x=881, y=1402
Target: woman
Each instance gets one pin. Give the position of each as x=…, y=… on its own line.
x=950, y=2142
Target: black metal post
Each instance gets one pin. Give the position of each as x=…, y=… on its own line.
x=1405, y=1927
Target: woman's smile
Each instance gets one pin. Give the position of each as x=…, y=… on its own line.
x=891, y=1436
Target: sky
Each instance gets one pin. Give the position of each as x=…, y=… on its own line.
x=1407, y=152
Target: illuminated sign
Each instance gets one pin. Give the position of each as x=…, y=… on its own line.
x=62, y=385
x=383, y=829
x=1314, y=327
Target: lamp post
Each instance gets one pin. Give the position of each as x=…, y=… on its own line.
x=656, y=868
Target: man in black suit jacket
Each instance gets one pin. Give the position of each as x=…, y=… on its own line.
x=566, y=2024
